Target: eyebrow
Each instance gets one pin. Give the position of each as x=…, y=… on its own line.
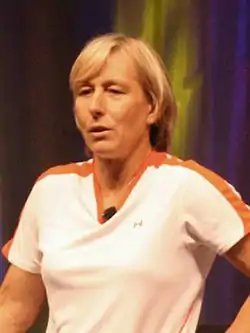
x=114, y=82
x=107, y=83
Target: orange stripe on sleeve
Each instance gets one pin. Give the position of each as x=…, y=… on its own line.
x=82, y=170
x=6, y=248
x=226, y=189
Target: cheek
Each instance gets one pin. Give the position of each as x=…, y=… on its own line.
x=132, y=122
x=80, y=115
x=130, y=109
x=137, y=115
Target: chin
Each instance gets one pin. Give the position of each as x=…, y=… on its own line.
x=105, y=151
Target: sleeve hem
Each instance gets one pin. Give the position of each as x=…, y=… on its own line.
x=6, y=249
x=227, y=247
x=24, y=266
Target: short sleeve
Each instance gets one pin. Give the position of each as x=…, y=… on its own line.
x=23, y=250
x=215, y=214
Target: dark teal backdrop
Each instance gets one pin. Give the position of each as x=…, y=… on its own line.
x=38, y=43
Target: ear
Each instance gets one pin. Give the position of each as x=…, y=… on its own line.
x=152, y=114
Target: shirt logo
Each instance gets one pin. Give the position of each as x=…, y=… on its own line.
x=138, y=224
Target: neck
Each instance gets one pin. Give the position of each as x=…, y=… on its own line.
x=113, y=174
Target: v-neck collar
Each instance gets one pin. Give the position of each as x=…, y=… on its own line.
x=153, y=159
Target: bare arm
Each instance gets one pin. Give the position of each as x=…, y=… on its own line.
x=239, y=256
x=22, y=295
x=241, y=323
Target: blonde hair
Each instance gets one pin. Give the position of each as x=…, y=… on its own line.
x=152, y=75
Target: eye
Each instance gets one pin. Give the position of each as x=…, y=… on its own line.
x=84, y=91
x=115, y=91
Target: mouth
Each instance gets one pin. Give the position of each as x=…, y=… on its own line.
x=98, y=129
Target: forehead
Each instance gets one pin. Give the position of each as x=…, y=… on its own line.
x=116, y=65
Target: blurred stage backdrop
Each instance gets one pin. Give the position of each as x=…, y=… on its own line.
x=206, y=47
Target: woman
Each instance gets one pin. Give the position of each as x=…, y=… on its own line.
x=124, y=241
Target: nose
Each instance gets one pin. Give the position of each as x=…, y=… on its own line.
x=97, y=104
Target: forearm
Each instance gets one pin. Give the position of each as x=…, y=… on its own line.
x=22, y=295
x=12, y=321
x=16, y=316
x=241, y=323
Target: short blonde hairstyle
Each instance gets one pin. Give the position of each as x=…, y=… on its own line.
x=152, y=76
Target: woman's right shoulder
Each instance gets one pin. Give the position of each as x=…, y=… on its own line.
x=81, y=169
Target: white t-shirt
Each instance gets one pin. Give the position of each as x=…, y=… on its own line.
x=142, y=271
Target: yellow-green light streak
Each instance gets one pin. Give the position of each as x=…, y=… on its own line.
x=167, y=26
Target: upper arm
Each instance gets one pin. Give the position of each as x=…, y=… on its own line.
x=241, y=323
x=215, y=213
x=21, y=296
x=23, y=250
x=239, y=255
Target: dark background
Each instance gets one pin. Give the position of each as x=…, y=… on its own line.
x=39, y=40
